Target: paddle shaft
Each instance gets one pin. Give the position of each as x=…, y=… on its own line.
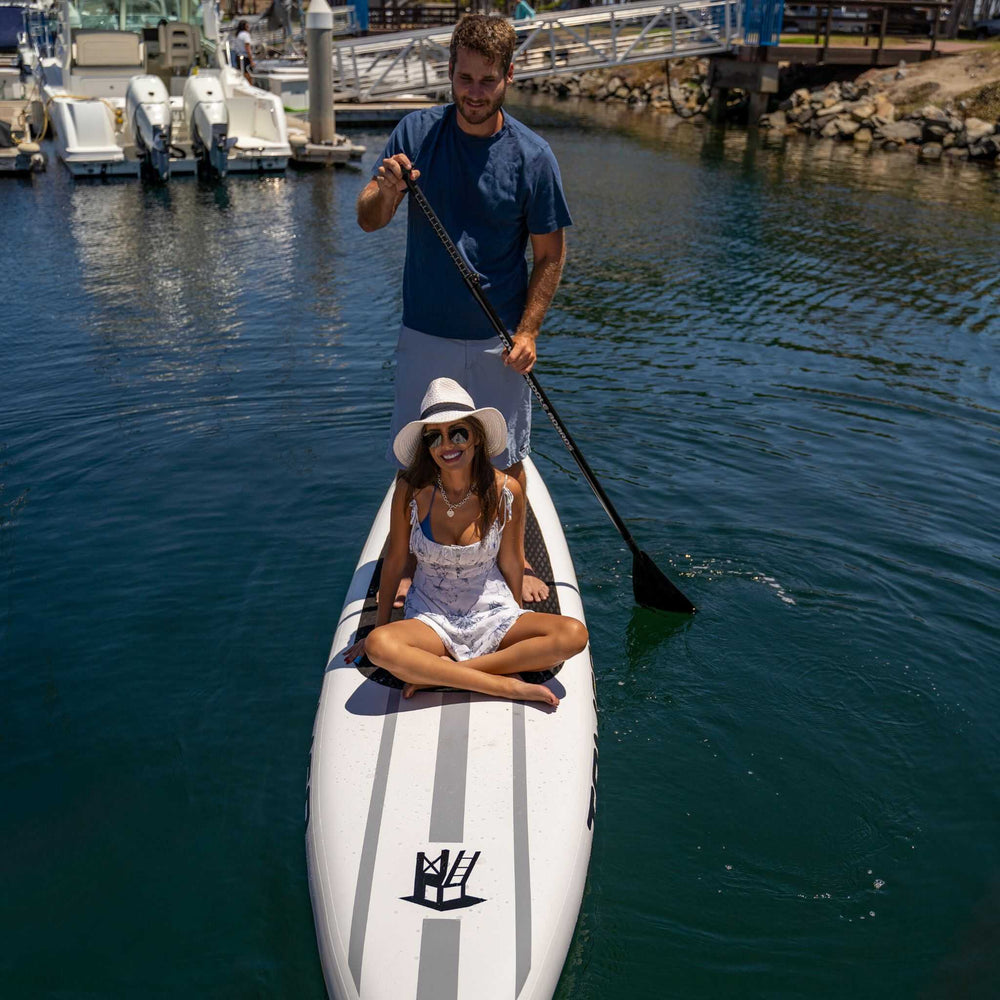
x=471, y=280
x=649, y=585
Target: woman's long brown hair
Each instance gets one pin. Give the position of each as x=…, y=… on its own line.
x=423, y=471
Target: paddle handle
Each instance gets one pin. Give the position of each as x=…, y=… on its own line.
x=471, y=280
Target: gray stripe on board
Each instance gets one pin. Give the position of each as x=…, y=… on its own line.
x=363, y=890
x=522, y=863
x=437, y=975
x=448, y=804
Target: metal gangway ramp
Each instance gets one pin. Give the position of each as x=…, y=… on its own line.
x=570, y=41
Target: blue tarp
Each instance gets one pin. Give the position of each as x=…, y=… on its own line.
x=361, y=13
x=762, y=21
x=11, y=22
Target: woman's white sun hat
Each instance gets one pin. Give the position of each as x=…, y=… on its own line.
x=444, y=402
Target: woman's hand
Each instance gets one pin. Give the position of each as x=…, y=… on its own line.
x=355, y=651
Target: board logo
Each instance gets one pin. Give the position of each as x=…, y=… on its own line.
x=440, y=887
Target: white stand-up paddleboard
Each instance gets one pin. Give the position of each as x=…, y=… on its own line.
x=448, y=836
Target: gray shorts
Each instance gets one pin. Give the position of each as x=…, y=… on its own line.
x=477, y=366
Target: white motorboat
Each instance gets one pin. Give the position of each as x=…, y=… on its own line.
x=11, y=26
x=19, y=153
x=103, y=52
x=17, y=57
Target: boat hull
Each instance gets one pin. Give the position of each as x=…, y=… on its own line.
x=448, y=836
x=257, y=123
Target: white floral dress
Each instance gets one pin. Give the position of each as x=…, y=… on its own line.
x=459, y=591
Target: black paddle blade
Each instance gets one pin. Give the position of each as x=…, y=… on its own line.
x=653, y=590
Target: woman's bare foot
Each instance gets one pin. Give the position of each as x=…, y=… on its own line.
x=534, y=692
x=523, y=691
x=533, y=587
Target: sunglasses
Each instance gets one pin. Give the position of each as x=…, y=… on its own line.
x=457, y=435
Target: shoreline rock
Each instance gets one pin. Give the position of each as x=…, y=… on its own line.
x=643, y=85
x=860, y=113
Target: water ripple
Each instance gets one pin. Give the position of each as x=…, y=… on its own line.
x=780, y=361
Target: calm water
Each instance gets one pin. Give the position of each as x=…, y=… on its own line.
x=783, y=369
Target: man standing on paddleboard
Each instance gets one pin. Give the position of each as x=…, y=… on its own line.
x=496, y=186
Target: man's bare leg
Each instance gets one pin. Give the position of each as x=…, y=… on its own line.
x=534, y=588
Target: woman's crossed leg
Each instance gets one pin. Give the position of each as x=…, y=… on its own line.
x=413, y=652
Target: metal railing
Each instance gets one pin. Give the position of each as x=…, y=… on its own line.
x=289, y=37
x=876, y=19
x=403, y=16
x=572, y=41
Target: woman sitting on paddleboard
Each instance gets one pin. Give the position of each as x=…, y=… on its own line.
x=464, y=626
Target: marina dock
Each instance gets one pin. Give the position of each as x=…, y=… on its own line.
x=378, y=112
x=359, y=115
x=306, y=153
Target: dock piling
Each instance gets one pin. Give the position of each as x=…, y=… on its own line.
x=319, y=38
x=323, y=148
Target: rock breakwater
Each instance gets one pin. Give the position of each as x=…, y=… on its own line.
x=685, y=92
x=860, y=113
x=863, y=112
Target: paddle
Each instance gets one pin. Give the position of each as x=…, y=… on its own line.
x=650, y=586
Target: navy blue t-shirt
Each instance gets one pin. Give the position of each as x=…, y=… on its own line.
x=489, y=194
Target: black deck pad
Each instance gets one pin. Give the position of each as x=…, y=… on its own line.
x=538, y=557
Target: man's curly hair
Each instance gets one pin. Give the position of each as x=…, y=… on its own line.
x=492, y=37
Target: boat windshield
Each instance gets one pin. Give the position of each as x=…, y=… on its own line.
x=106, y=14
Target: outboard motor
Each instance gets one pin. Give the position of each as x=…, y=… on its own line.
x=147, y=106
x=208, y=122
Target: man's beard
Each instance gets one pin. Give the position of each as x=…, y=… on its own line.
x=480, y=114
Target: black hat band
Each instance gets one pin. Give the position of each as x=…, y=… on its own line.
x=442, y=407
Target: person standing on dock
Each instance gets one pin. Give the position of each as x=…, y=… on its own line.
x=242, y=50
x=496, y=186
